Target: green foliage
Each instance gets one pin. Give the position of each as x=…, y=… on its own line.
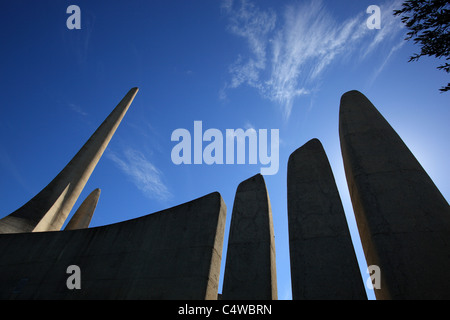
x=428, y=22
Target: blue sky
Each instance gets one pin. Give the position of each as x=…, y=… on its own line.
x=230, y=64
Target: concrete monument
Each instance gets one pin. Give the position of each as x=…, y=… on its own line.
x=250, y=269
x=82, y=217
x=48, y=210
x=403, y=219
x=172, y=254
x=323, y=261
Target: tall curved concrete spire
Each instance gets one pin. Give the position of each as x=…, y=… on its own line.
x=403, y=219
x=48, y=210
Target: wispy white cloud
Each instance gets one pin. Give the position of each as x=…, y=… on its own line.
x=78, y=42
x=308, y=42
x=254, y=26
x=77, y=109
x=390, y=26
x=142, y=173
x=289, y=54
x=380, y=68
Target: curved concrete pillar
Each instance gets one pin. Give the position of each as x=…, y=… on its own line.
x=82, y=217
x=323, y=261
x=250, y=269
x=403, y=219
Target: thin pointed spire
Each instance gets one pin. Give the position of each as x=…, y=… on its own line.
x=48, y=210
x=82, y=217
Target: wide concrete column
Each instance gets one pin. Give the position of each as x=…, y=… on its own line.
x=83, y=216
x=323, y=260
x=403, y=219
x=48, y=210
x=250, y=269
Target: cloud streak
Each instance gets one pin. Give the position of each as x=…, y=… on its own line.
x=254, y=26
x=145, y=176
x=77, y=109
x=288, y=54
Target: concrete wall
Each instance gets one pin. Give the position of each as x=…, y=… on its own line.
x=403, y=219
x=250, y=269
x=323, y=261
x=172, y=254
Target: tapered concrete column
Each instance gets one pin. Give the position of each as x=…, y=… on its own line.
x=48, y=210
x=82, y=217
x=250, y=269
x=323, y=261
x=403, y=219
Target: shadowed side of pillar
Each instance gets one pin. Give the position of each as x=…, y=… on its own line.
x=323, y=260
x=48, y=210
x=250, y=269
x=82, y=217
x=403, y=219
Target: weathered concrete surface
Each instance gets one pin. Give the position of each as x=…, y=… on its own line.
x=48, y=210
x=83, y=216
x=323, y=261
x=171, y=254
x=250, y=269
x=403, y=219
